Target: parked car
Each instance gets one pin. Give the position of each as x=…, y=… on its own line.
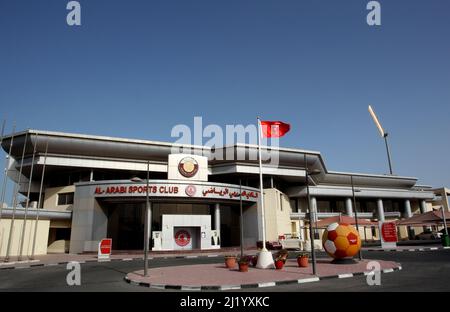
x=429, y=235
x=288, y=241
x=269, y=245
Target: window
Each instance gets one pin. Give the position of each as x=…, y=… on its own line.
x=294, y=205
x=323, y=206
x=65, y=199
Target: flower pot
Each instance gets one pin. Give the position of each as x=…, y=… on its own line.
x=243, y=267
x=279, y=264
x=230, y=262
x=302, y=262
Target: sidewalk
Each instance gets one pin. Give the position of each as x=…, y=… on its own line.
x=218, y=277
x=407, y=248
x=57, y=259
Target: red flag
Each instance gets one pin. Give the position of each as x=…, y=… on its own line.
x=274, y=129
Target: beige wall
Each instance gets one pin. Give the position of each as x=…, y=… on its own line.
x=41, y=239
x=277, y=214
x=51, y=198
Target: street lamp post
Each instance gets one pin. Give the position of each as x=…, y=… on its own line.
x=383, y=134
x=147, y=219
x=388, y=152
x=311, y=217
x=241, y=218
x=355, y=211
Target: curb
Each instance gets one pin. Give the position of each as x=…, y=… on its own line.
x=102, y=261
x=255, y=285
x=411, y=249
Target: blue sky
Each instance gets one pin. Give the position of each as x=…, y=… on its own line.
x=137, y=68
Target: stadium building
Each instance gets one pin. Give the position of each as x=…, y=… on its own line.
x=96, y=187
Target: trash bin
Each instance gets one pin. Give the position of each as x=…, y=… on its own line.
x=445, y=240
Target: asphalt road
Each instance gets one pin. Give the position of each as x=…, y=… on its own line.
x=422, y=271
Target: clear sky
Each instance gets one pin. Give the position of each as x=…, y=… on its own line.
x=137, y=68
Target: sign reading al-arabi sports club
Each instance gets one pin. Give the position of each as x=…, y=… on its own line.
x=176, y=189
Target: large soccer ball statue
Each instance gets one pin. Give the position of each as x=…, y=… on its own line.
x=341, y=240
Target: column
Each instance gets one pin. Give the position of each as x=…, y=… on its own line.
x=423, y=206
x=380, y=210
x=313, y=217
x=349, y=207
x=408, y=213
x=217, y=218
x=313, y=211
x=149, y=222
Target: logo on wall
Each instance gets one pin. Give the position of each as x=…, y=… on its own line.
x=182, y=238
x=190, y=190
x=188, y=167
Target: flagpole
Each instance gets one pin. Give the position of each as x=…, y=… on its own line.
x=15, y=195
x=261, y=186
x=36, y=222
x=22, y=241
x=265, y=259
x=5, y=174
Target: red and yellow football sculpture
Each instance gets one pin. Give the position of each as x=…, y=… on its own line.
x=341, y=240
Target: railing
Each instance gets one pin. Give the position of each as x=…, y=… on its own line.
x=364, y=215
x=392, y=214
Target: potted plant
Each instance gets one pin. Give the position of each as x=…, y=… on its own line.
x=230, y=261
x=282, y=254
x=302, y=260
x=243, y=264
x=279, y=262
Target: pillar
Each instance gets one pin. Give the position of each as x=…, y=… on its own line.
x=349, y=207
x=149, y=228
x=217, y=218
x=408, y=213
x=423, y=206
x=380, y=210
x=313, y=209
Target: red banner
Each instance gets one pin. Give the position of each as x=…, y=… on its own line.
x=389, y=232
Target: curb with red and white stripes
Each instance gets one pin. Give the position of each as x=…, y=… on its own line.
x=255, y=285
x=410, y=249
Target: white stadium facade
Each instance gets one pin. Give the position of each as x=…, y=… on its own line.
x=95, y=187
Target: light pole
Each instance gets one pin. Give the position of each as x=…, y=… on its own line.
x=311, y=217
x=383, y=135
x=147, y=216
x=241, y=218
x=355, y=212
x=388, y=152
